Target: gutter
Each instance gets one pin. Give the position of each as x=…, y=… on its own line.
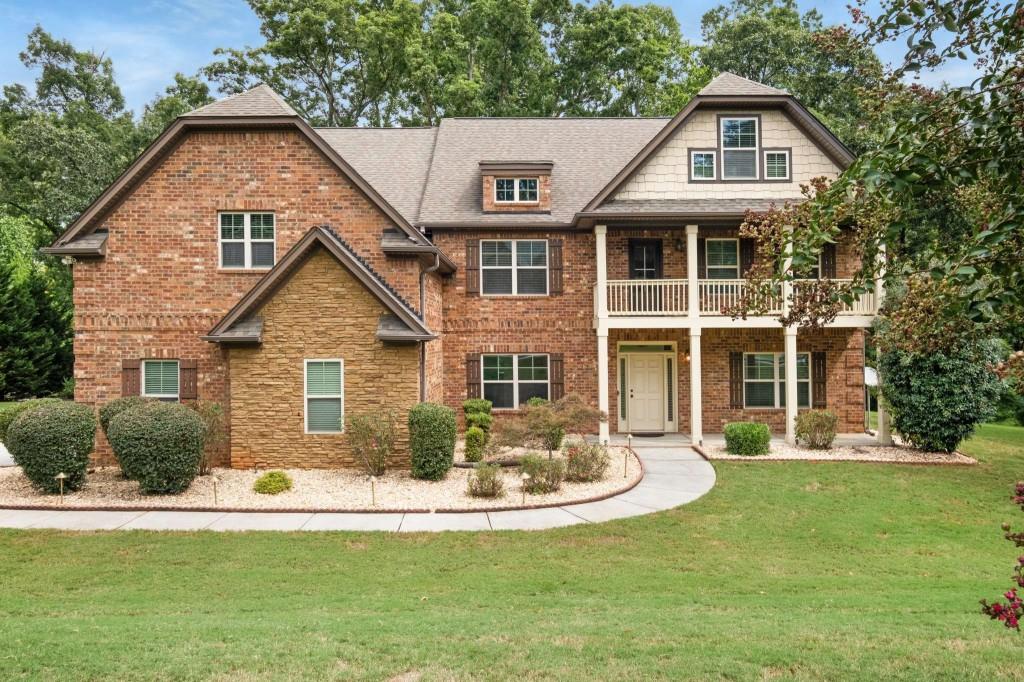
x=423, y=318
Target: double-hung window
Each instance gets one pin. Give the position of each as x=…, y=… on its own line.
x=764, y=380
x=514, y=267
x=516, y=190
x=739, y=148
x=722, y=258
x=702, y=165
x=776, y=165
x=160, y=379
x=511, y=380
x=325, y=396
x=246, y=240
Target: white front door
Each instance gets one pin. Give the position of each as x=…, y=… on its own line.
x=646, y=393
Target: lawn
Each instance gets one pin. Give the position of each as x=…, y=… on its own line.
x=785, y=570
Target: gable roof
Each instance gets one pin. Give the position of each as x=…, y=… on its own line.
x=258, y=101
x=238, y=325
x=727, y=83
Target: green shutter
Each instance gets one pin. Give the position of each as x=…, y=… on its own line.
x=160, y=377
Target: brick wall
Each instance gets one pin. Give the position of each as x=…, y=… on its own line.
x=267, y=382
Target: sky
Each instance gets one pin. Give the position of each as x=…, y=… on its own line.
x=150, y=40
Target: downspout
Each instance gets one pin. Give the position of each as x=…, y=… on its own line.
x=423, y=317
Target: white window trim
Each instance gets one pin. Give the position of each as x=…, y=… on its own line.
x=707, y=261
x=714, y=166
x=777, y=382
x=247, y=241
x=159, y=396
x=764, y=157
x=305, y=399
x=755, y=148
x=515, y=378
x=515, y=187
x=516, y=268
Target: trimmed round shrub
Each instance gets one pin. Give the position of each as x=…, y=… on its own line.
x=586, y=462
x=817, y=428
x=546, y=475
x=432, y=434
x=475, y=441
x=9, y=413
x=119, y=405
x=485, y=481
x=476, y=406
x=480, y=420
x=53, y=438
x=272, y=483
x=747, y=438
x=160, y=445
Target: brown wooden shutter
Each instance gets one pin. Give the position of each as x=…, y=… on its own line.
x=130, y=381
x=819, y=380
x=736, y=381
x=828, y=261
x=746, y=256
x=557, y=375
x=188, y=380
x=555, y=267
x=473, y=266
x=472, y=375
x=702, y=260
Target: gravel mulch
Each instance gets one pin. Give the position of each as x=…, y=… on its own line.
x=317, y=489
x=853, y=453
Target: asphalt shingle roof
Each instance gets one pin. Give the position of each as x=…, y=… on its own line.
x=727, y=83
x=258, y=101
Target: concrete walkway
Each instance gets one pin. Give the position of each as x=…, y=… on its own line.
x=674, y=475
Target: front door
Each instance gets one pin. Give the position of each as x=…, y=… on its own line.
x=646, y=393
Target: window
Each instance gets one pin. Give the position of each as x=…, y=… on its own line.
x=246, y=240
x=516, y=190
x=723, y=258
x=514, y=267
x=764, y=380
x=739, y=148
x=702, y=165
x=776, y=165
x=511, y=380
x=160, y=379
x=325, y=396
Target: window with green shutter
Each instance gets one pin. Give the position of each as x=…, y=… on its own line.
x=325, y=399
x=160, y=379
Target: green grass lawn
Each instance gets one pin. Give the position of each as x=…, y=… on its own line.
x=785, y=570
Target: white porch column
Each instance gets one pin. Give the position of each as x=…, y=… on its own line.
x=791, y=383
x=692, y=289
x=601, y=297
x=602, y=383
x=883, y=434
x=696, y=404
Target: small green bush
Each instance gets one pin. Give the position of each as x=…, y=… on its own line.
x=476, y=439
x=485, y=481
x=372, y=439
x=272, y=483
x=480, y=420
x=8, y=413
x=432, y=432
x=52, y=438
x=546, y=475
x=119, y=405
x=476, y=406
x=587, y=462
x=159, y=444
x=215, y=436
x=817, y=428
x=747, y=438
x=537, y=401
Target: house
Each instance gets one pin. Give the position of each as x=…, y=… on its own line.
x=296, y=274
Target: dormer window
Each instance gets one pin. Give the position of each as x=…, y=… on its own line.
x=516, y=190
x=739, y=147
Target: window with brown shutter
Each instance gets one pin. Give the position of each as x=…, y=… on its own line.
x=702, y=260
x=819, y=379
x=828, y=261
x=472, y=268
x=130, y=383
x=555, y=267
x=557, y=377
x=472, y=375
x=735, y=381
x=746, y=256
x=188, y=380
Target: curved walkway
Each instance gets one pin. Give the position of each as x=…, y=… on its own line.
x=673, y=475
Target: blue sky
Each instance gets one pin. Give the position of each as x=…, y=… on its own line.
x=149, y=41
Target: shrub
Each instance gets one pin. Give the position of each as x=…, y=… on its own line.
x=272, y=483
x=9, y=413
x=215, y=437
x=372, y=438
x=158, y=444
x=585, y=463
x=1010, y=407
x=476, y=406
x=431, y=440
x=485, y=481
x=52, y=438
x=546, y=475
x=480, y=420
x=536, y=401
x=747, y=438
x=476, y=439
x=817, y=428
x=67, y=389
x=119, y=405
x=938, y=398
